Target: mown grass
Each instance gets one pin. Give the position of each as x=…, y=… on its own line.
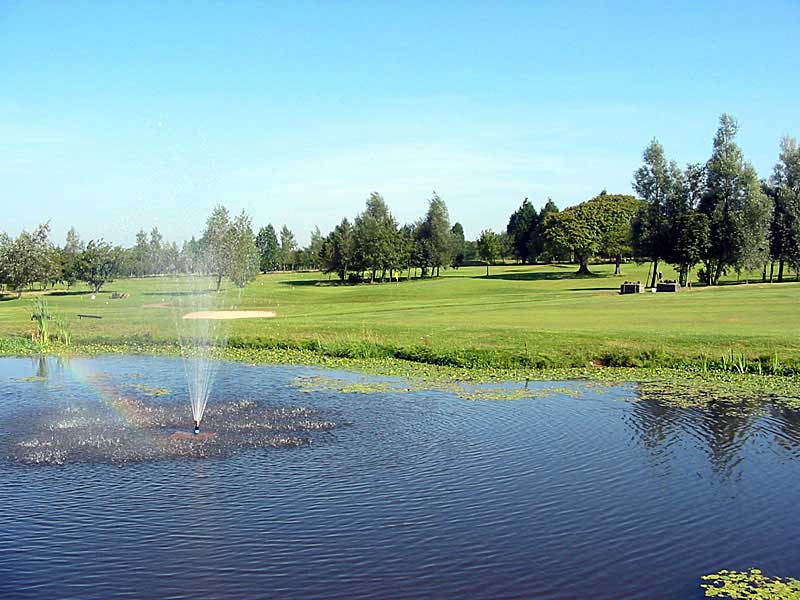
x=519, y=318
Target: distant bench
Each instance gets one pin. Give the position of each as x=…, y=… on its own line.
x=89, y=317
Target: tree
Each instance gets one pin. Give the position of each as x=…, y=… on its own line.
x=98, y=264
x=288, y=247
x=736, y=208
x=658, y=183
x=27, y=259
x=458, y=241
x=155, y=258
x=522, y=227
x=616, y=213
x=689, y=236
x=433, y=235
x=268, y=248
x=540, y=248
x=139, y=255
x=337, y=250
x=375, y=237
x=784, y=189
x=69, y=255
x=489, y=247
x=599, y=225
x=215, y=243
x=191, y=256
x=314, y=249
x=243, y=254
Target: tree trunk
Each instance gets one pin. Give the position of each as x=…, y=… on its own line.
x=617, y=263
x=764, y=274
x=487, y=268
x=219, y=280
x=771, y=269
x=584, y=268
x=717, y=273
x=780, y=270
x=655, y=272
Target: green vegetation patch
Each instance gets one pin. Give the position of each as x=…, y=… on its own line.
x=466, y=390
x=750, y=585
x=151, y=391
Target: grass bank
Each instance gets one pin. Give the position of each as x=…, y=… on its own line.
x=520, y=318
x=521, y=321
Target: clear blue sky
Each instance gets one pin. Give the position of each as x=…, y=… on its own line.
x=121, y=115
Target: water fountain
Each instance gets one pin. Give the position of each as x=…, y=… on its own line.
x=200, y=338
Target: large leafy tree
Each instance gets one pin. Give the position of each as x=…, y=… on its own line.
x=738, y=212
x=98, y=264
x=268, y=248
x=597, y=226
x=615, y=213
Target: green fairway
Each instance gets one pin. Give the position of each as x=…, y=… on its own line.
x=519, y=316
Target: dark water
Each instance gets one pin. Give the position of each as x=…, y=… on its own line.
x=326, y=494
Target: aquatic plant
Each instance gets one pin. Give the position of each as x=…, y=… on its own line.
x=750, y=585
x=42, y=317
x=50, y=327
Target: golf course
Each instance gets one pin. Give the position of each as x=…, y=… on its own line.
x=519, y=317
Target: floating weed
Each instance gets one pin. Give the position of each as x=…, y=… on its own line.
x=31, y=379
x=461, y=389
x=751, y=585
x=151, y=391
x=690, y=384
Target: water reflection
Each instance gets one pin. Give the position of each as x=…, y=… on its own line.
x=721, y=430
x=590, y=494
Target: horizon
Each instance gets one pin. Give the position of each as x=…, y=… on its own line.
x=119, y=118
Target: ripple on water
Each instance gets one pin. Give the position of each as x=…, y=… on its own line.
x=132, y=430
x=426, y=494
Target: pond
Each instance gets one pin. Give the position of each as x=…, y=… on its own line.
x=315, y=484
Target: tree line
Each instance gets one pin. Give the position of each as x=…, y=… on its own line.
x=716, y=214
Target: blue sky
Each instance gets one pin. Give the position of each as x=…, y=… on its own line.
x=120, y=115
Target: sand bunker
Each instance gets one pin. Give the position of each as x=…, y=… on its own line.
x=231, y=314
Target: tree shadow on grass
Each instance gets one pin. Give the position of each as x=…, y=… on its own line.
x=177, y=294
x=72, y=293
x=310, y=282
x=337, y=283
x=542, y=276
